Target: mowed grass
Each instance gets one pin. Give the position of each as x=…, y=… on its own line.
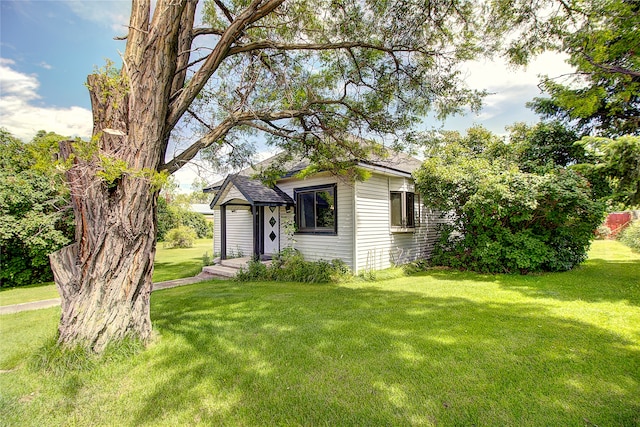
x=170, y=264
x=177, y=263
x=437, y=348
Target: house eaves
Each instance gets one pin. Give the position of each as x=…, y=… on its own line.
x=254, y=191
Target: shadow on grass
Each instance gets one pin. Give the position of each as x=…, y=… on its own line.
x=291, y=354
x=596, y=280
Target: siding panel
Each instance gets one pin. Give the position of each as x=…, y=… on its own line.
x=376, y=246
x=239, y=231
x=316, y=246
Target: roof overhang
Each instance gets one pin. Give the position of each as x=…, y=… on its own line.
x=383, y=170
x=254, y=192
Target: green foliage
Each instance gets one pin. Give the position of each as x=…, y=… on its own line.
x=630, y=236
x=34, y=216
x=174, y=215
x=602, y=43
x=361, y=68
x=197, y=222
x=180, y=237
x=111, y=170
x=197, y=195
x=617, y=162
x=544, y=146
x=507, y=220
x=112, y=83
x=290, y=266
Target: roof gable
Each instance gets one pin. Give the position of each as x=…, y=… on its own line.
x=254, y=191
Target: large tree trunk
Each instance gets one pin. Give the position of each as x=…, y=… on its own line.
x=104, y=279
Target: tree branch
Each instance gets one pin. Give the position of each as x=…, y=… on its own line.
x=224, y=10
x=267, y=44
x=138, y=31
x=251, y=14
x=222, y=129
x=612, y=68
x=185, y=39
x=206, y=31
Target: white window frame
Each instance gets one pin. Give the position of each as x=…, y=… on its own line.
x=405, y=225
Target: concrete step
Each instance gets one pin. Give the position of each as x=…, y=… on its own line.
x=220, y=270
x=236, y=263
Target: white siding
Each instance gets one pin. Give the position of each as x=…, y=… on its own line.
x=231, y=193
x=376, y=246
x=216, y=232
x=317, y=246
x=239, y=231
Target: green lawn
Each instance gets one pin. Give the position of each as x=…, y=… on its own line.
x=438, y=348
x=170, y=264
x=176, y=263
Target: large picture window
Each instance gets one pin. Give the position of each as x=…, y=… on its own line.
x=316, y=209
x=403, y=210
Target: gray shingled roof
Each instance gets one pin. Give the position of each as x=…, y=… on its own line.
x=395, y=161
x=254, y=191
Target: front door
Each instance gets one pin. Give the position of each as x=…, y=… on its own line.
x=271, y=230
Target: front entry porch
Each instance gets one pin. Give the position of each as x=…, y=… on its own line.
x=229, y=267
x=249, y=218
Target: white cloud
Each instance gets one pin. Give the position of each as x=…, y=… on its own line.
x=112, y=13
x=509, y=89
x=19, y=115
x=497, y=75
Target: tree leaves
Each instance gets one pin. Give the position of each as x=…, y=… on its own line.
x=33, y=218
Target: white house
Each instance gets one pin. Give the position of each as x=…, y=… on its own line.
x=370, y=225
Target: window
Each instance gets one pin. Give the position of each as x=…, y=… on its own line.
x=316, y=209
x=403, y=211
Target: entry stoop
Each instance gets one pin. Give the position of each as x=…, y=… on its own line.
x=227, y=267
x=220, y=270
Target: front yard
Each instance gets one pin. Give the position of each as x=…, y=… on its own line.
x=436, y=348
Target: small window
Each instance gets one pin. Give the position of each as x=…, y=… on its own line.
x=316, y=209
x=403, y=211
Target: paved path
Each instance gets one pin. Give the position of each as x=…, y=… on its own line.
x=35, y=305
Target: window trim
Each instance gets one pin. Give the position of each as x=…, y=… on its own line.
x=316, y=189
x=404, y=226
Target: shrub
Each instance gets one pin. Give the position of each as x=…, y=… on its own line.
x=290, y=266
x=173, y=216
x=197, y=222
x=511, y=221
x=603, y=232
x=207, y=259
x=630, y=236
x=34, y=216
x=180, y=237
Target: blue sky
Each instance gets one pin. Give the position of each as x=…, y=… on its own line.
x=48, y=47
x=50, y=39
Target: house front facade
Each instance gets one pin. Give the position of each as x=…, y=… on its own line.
x=370, y=225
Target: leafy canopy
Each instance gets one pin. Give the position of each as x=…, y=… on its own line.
x=311, y=72
x=602, y=41
x=617, y=160
x=34, y=215
x=505, y=220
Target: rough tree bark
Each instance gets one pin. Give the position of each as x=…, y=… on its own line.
x=105, y=278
